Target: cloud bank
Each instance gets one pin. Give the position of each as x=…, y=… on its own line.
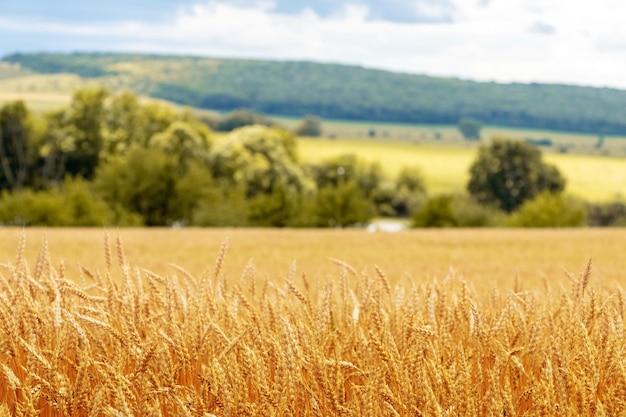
x=560, y=41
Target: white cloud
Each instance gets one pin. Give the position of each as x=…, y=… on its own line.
x=486, y=40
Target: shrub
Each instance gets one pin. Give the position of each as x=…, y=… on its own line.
x=456, y=210
x=150, y=183
x=550, y=210
x=606, y=214
x=343, y=205
x=470, y=128
x=222, y=206
x=72, y=204
x=409, y=193
x=241, y=118
x=309, y=126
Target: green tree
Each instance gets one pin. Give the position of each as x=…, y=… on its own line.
x=85, y=121
x=155, y=118
x=260, y=158
x=409, y=193
x=223, y=205
x=437, y=212
x=309, y=126
x=457, y=210
x=346, y=168
x=124, y=123
x=342, y=205
x=18, y=154
x=54, y=147
x=185, y=140
x=147, y=182
x=470, y=128
x=606, y=214
x=507, y=173
x=278, y=208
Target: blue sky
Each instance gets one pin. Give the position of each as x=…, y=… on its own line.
x=559, y=41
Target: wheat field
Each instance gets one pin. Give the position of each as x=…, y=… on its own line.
x=123, y=340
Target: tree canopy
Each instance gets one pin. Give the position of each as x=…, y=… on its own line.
x=509, y=172
x=470, y=128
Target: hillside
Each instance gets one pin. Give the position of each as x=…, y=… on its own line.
x=340, y=92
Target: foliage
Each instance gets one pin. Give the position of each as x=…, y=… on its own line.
x=123, y=123
x=278, y=208
x=185, y=141
x=84, y=130
x=456, y=210
x=309, y=126
x=348, y=168
x=510, y=172
x=606, y=214
x=72, y=204
x=157, y=166
x=409, y=192
x=470, y=128
x=148, y=183
x=343, y=204
x=222, y=206
x=241, y=118
x=259, y=158
x=18, y=154
x=344, y=92
x=549, y=209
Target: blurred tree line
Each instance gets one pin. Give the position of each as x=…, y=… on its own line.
x=109, y=159
x=343, y=92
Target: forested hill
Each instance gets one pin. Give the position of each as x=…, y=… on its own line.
x=343, y=92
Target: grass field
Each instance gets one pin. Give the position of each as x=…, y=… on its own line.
x=128, y=335
x=435, y=135
x=446, y=167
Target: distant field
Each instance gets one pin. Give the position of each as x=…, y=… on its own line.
x=43, y=92
x=40, y=92
x=485, y=257
x=445, y=167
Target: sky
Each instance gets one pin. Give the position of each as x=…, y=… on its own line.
x=548, y=41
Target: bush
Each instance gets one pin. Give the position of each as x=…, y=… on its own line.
x=348, y=168
x=222, y=206
x=470, y=128
x=607, y=214
x=409, y=193
x=343, y=205
x=309, y=126
x=72, y=204
x=241, y=118
x=456, y=210
x=149, y=183
x=550, y=210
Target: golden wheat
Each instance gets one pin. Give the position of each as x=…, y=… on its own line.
x=127, y=341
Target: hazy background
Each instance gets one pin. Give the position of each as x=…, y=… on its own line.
x=557, y=41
